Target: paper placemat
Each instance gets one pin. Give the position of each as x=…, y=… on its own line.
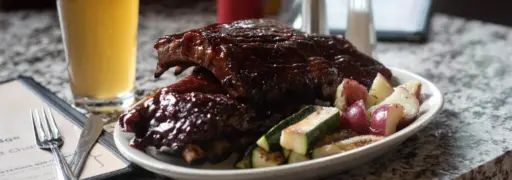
x=19, y=156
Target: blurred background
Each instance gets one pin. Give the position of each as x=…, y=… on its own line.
x=395, y=20
x=496, y=11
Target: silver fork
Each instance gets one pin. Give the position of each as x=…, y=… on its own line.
x=48, y=138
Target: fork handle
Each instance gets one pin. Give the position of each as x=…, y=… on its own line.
x=63, y=170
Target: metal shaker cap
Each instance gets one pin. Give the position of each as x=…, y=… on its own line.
x=314, y=18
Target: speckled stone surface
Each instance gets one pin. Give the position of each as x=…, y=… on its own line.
x=470, y=61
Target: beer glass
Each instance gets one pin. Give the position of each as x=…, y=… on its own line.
x=100, y=42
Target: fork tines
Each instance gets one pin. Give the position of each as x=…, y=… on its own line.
x=45, y=127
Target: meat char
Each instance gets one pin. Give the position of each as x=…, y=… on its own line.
x=264, y=62
x=249, y=75
x=193, y=110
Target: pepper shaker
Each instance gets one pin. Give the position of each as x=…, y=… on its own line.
x=360, y=30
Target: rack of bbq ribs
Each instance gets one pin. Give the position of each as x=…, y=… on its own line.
x=272, y=94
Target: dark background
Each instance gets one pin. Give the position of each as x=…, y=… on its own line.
x=496, y=11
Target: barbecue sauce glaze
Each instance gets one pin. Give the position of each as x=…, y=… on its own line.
x=258, y=71
x=194, y=110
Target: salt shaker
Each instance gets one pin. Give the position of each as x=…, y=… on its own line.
x=360, y=30
x=314, y=18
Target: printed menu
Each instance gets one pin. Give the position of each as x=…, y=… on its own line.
x=21, y=159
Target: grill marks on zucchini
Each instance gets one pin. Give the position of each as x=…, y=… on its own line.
x=310, y=134
x=262, y=158
x=270, y=140
x=302, y=136
x=257, y=157
x=344, y=145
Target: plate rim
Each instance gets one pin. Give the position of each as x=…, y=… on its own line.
x=153, y=164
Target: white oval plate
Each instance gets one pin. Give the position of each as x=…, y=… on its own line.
x=174, y=168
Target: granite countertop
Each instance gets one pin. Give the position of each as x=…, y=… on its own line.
x=470, y=61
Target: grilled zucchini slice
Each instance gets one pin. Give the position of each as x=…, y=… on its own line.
x=302, y=136
x=270, y=140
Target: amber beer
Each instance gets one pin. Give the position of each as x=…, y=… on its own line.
x=100, y=38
